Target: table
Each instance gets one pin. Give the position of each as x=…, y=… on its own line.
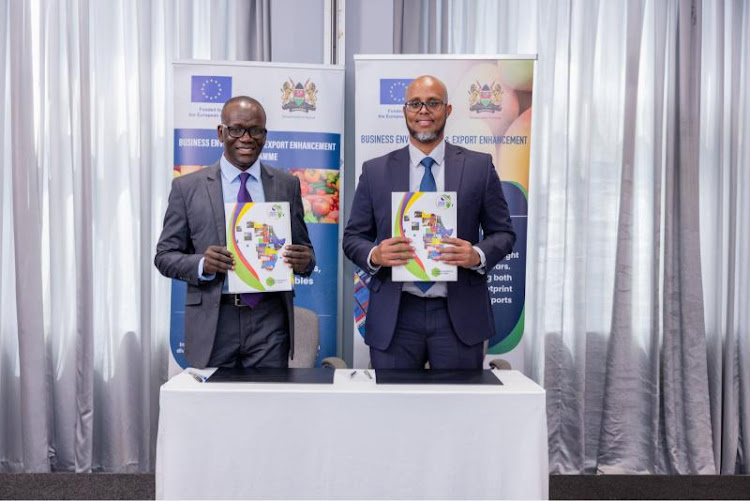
x=351, y=440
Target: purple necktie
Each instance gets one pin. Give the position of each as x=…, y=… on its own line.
x=243, y=197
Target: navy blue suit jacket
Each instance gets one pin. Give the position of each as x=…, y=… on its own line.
x=481, y=203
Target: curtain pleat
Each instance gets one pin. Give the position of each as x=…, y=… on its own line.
x=638, y=288
x=25, y=205
x=84, y=316
x=724, y=222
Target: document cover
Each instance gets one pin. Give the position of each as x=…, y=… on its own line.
x=257, y=235
x=426, y=218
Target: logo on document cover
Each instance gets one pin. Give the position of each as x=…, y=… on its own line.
x=210, y=89
x=298, y=97
x=276, y=212
x=393, y=90
x=485, y=98
x=444, y=201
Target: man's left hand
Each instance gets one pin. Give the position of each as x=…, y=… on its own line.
x=298, y=257
x=459, y=253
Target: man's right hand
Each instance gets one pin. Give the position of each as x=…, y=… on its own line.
x=217, y=259
x=394, y=251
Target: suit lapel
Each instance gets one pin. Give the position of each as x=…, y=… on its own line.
x=454, y=167
x=398, y=170
x=270, y=191
x=215, y=196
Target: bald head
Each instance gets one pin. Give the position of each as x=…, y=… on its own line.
x=240, y=103
x=428, y=81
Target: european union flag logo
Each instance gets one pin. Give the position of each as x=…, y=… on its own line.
x=393, y=90
x=211, y=89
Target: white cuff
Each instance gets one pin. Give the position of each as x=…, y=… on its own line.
x=201, y=276
x=482, y=261
x=372, y=268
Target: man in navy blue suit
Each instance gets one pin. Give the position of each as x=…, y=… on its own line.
x=445, y=323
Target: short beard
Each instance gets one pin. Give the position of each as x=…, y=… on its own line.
x=425, y=137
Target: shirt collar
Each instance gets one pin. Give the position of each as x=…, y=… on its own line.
x=230, y=172
x=437, y=154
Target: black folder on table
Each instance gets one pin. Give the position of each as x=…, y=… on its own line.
x=436, y=376
x=268, y=375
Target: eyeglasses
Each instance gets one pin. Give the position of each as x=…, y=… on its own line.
x=432, y=105
x=238, y=132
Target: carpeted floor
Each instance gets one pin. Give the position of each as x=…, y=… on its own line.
x=141, y=486
x=77, y=486
x=649, y=487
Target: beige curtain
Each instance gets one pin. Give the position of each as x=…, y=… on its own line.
x=85, y=98
x=637, y=284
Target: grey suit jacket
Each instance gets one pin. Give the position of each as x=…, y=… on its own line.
x=481, y=203
x=195, y=220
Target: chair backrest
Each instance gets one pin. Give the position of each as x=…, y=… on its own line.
x=306, y=338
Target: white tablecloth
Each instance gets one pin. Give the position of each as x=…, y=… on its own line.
x=351, y=440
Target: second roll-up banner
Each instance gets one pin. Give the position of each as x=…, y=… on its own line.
x=305, y=119
x=491, y=98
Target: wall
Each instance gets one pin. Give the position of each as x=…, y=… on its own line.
x=297, y=31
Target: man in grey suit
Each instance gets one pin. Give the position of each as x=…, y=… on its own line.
x=445, y=323
x=221, y=329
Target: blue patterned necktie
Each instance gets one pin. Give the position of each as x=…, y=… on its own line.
x=243, y=197
x=428, y=184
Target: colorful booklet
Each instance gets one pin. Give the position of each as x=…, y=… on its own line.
x=257, y=235
x=426, y=218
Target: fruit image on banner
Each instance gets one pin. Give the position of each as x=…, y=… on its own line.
x=320, y=194
x=517, y=74
x=513, y=157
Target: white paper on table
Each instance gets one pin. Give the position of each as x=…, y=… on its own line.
x=426, y=218
x=257, y=234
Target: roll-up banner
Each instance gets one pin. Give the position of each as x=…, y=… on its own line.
x=491, y=98
x=305, y=119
